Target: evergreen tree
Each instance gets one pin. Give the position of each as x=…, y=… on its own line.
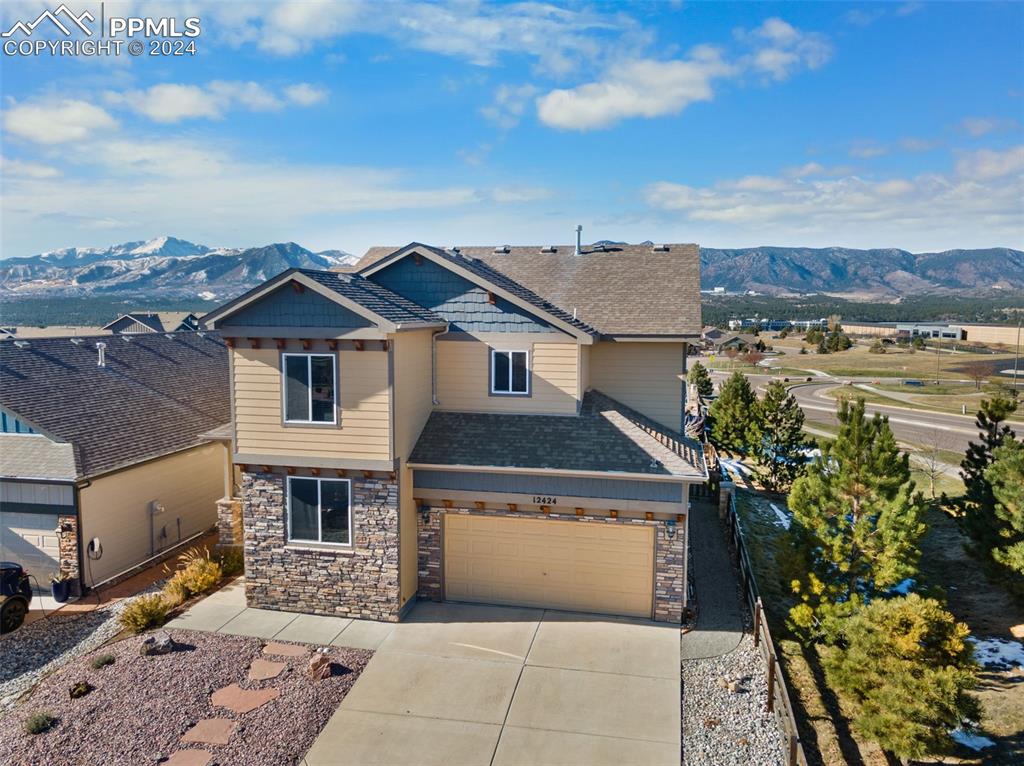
x=700, y=377
x=1006, y=477
x=856, y=523
x=822, y=347
x=907, y=668
x=779, y=437
x=733, y=414
x=978, y=504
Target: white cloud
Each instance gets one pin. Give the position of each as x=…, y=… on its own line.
x=637, y=88
x=919, y=144
x=174, y=102
x=509, y=104
x=14, y=168
x=56, y=122
x=987, y=164
x=305, y=94
x=519, y=194
x=866, y=150
x=780, y=49
x=982, y=126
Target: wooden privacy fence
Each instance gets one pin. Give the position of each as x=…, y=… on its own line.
x=778, y=694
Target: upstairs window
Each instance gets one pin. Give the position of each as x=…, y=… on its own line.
x=310, y=388
x=319, y=511
x=510, y=372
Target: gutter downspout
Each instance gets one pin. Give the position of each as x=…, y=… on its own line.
x=433, y=362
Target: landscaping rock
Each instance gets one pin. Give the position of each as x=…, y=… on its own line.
x=190, y=757
x=319, y=667
x=285, y=650
x=211, y=731
x=239, y=700
x=264, y=670
x=159, y=643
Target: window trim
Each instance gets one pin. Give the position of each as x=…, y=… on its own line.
x=529, y=373
x=309, y=371
x=319, y=511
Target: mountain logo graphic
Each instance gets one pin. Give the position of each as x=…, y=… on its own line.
x=27, y=28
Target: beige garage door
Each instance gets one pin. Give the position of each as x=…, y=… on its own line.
x=606, y=568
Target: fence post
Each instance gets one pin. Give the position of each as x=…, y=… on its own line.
x=792, y=749
x=757, y=623
x=771, y=682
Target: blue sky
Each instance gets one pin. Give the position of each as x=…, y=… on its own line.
x=343, y=125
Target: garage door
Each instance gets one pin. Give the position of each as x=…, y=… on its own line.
x=30, y=540
x=606, y=568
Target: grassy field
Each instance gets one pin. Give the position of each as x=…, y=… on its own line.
x=955, y=404
x=946, y=570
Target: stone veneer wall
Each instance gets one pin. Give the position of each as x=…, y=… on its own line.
x=67, y=545
x=669, y=556
x=360, y=582
x=229, y=522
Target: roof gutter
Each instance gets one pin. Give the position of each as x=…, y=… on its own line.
x=562, y=472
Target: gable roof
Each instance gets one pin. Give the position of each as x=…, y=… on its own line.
x=157, y=394
x=607, y=438
x=617, y=290
x=367, y=298
x=147, y=319
x=481, y=273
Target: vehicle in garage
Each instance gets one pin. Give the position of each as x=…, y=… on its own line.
x=500, y=425
x=105, y=456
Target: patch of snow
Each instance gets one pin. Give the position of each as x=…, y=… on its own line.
x=785, y=520
x=152, y=246
x=970, y=740
x=998, y=653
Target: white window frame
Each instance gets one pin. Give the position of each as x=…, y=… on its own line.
x=309, y=373
x=319, y=512
x=493, y=367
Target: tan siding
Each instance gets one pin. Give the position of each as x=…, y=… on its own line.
x=364, y=427
x=116, y=507
x=645, y=376
x=463, y=368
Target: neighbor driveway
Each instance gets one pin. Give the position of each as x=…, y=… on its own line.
x=468, y=685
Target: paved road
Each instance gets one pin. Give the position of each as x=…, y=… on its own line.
x=947, y=431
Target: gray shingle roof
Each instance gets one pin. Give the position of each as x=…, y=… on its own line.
x=156, y=395
x=615, y=289
x=607, y=436
x=374, y=297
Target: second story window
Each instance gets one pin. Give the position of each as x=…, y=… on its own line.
x=510, y=372
x=310, y=388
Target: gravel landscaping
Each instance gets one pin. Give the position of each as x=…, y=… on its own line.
x=142, y=706
x=729, y=728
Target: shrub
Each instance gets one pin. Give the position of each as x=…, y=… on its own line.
x=39, y=722
x=175, y=592
x=145, y=612
x=196, y=574
x=102, y=660
x=231, y=561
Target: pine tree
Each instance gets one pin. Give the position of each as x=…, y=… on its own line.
x=907, y=668
x=779, y=437
x=856, y=523
x=700, y=377
x=822, y=348
x=733, y=414
x=1006, y=478
x=978, y=504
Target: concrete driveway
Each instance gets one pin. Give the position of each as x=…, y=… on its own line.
x=468, y=685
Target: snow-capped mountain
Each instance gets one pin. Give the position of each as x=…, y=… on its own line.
x=166, y=265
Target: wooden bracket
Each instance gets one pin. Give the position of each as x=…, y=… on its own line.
x=314, y=471
x=545, y=509
x=383, y=345
x=267, y=468
x=229, y=342
x=648, y=516
x=512, y=507
x=306, y=344
x=579, y=511
x=243, y=467
x=393, y=476
x=478, y=504
x=613, y=514
x=332, y=344
x=680, y=517
x=358, y=344
x=447, y=503
x=298, y=286
x=417, y=259
x=491, y=298
x=290, y=471
x=418, y=501
x=367, y=474
x=341, y=473
x=255, y=342
x=281, y=343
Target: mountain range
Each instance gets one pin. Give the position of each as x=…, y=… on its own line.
x=167, y=266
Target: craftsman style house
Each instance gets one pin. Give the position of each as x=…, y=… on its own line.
x=494, y=425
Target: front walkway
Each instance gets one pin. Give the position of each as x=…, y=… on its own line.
x=467, y=685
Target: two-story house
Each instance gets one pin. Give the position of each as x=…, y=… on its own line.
x=500, y=425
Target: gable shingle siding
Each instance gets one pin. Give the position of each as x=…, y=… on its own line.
x=286, y=308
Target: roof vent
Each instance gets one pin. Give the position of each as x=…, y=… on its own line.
x=101, y=350
x=455, y=249
x=549, y=249
x=660, y=249
x=502, y=249
x=597, y=248
x=21, y=343
x=579, y=237
x=169, y=336
x=77, y=341
x=126, y=338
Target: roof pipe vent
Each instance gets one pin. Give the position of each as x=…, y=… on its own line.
x=101, y=350
x=660, y=249
x=456, y=249
x=579, y=237
x=21, y=343
x=502, y=249
x=549, y=249
x=77, y=341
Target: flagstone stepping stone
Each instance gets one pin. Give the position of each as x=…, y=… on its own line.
x=239, y=700
x=211, y=731
x=263, y=670
x=285, y=650
x=188, y=758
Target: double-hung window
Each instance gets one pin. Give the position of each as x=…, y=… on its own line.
x=310, y=388
x=510, y=372
x=319, y=510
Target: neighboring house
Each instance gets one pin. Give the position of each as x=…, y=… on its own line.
x=501, y=425
x=711, y=336
x=103, y=438
x=145, y=322
x=739, y=342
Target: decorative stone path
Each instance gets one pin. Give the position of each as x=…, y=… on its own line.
x=189, y=758
x=239, y=700
x=285, y=650
x=264, y=670
x=211, y=731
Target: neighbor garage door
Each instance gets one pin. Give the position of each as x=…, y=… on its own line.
x=30, y=539
x=580, y=566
